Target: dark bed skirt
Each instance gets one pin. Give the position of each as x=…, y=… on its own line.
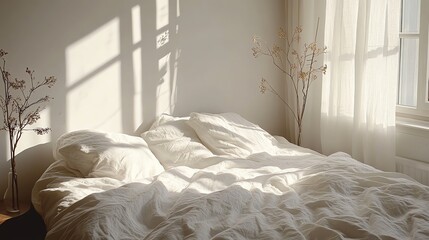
x=26, y=226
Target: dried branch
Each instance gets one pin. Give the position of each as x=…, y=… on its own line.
x=20, y=110
x=299, y=65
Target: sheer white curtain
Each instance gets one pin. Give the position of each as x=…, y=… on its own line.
x=360, y=87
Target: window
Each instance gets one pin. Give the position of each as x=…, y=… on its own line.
x=413, y=88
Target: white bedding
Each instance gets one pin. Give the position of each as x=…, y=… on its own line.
x=293, y=193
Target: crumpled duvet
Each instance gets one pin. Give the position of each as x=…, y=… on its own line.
x=287, y=196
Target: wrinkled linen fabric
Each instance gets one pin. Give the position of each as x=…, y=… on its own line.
x=293, y=194
x=175, y=143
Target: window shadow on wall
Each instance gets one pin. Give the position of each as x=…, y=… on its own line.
x=119, y=64
x=116, y=65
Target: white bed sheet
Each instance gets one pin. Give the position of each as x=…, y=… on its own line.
x=293, y=194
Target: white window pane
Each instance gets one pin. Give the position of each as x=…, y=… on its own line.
x=410, y=15
x=407, y=95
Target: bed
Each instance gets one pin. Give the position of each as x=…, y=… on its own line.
x=219, y=176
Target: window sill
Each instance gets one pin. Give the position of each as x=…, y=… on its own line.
x=411, y=123
x=412, y=139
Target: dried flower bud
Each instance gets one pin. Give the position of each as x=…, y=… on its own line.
x=282, y=34
x=41, y=131
x=324, y=69
x=50, y=81
x=276, y=49
x=17, y=84
x=256, y=51
x=33, y=117
x=313, y=46
x=2, y=53
x=262, y=86
x=302, y=75
x=45, y=99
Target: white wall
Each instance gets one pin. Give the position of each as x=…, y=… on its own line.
x=114, y=75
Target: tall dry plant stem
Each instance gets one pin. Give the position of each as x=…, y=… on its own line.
x=299, y=63
x=20, y=108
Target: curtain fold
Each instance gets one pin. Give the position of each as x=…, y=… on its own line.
x=359, y=90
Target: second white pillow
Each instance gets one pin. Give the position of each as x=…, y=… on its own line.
x=175, y=143
x=230, y=134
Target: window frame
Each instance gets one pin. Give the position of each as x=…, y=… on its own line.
x=421, y=111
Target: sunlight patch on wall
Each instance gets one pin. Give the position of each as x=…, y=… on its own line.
x=93, y=80
x=136, y=24
x=138, y=95
x=96, y=103
x=92, y=51
x=178, y=8
x=174, y=83
x=30, y=138
x=163, y=96
x=162, y=11
x=162, y=39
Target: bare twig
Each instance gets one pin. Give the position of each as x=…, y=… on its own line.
x=20, y=111
x=300, y=68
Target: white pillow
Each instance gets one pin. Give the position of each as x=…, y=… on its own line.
x=101, y=154
x=230, y=134
x=174, y=143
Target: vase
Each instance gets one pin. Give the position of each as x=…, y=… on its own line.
x=10, y=198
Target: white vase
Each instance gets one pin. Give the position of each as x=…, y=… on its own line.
x=10, y=198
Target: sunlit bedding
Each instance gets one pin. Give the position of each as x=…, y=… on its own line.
x=219, y=176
